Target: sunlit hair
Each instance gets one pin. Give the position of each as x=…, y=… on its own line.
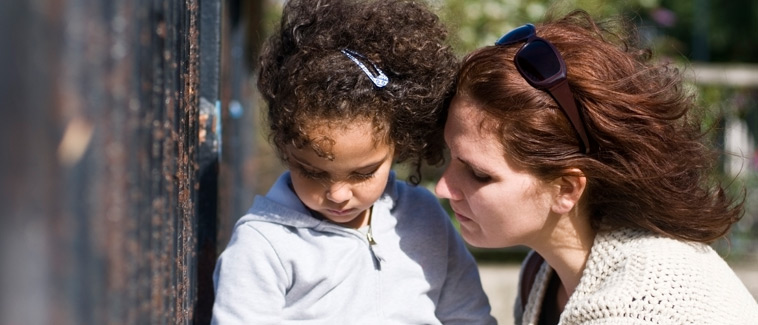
x=308, y=81
x=653, y=169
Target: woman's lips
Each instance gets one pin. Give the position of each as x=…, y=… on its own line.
x=460, y=217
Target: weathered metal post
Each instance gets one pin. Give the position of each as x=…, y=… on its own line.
x=109, y=160
x=209, y=138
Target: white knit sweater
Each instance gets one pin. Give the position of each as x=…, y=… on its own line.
x=635, y=277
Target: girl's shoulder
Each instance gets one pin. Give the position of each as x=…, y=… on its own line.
x=399, y=189
x=414, y=205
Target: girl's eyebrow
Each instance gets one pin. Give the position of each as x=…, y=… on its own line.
x=374, y=165
x=301, y=162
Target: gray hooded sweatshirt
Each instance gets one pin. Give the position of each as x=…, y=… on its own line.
x=284, y=266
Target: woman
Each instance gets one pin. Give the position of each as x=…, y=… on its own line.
x=565, y=138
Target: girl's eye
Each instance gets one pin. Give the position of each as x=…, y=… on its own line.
x=362, y=177
x=312, y=174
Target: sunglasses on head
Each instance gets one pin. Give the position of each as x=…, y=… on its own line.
x=542, y=66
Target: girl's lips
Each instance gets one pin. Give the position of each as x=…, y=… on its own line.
x=340, y=212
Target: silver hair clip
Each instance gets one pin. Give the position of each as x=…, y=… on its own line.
x=380, y=79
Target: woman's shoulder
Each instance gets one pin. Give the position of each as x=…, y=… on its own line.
x=636, y=245
x=641, y=257
x=640, y=274
x=649, y=253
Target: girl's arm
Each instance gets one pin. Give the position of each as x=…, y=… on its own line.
x=462, y=300
x=249, y=280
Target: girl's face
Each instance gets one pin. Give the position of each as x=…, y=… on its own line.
x=496, y=205
x=341, y=190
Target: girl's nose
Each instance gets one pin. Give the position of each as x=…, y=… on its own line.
x=339, y=192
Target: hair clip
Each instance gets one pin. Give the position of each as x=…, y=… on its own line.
x=380, y=79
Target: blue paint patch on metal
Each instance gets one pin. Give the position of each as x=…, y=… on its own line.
x=235, y=109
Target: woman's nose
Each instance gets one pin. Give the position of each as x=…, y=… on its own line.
x=442, y=189
x=339, y=192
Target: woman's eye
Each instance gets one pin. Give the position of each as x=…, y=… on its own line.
x=480, y=177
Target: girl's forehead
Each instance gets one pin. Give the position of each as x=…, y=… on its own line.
x=340, y=150
x=332, y=128
x=331, y=140
x=314, y=123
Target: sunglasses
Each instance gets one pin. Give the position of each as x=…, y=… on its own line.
x=542, y=66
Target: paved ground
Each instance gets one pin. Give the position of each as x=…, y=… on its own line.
x=501, y=281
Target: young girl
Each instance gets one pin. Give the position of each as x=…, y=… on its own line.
x=351, y=87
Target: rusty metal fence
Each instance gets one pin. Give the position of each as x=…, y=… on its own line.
x=113, y=192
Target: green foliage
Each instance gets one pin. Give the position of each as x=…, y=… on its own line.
x=722, y=31
x=729, y=103
x=474, y=24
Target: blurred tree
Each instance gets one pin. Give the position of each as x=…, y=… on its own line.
x=696, y=30
x=715, y=32
x=474, y=24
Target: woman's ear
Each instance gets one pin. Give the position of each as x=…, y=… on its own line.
x=570, y=190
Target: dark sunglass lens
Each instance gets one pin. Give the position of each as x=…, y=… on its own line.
x=538, y=61
x=517, y=35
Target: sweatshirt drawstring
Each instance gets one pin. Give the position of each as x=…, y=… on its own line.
x=369, y=233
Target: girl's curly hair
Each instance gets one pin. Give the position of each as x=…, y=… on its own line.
x=306, y=79
x=653, y=166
